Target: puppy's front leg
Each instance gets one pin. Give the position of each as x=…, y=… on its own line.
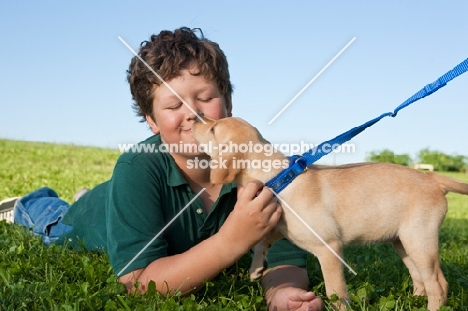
x=333, y=275
x=258, y=261
x=258, y=264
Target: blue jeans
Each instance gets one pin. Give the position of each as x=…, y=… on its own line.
x=42, y=211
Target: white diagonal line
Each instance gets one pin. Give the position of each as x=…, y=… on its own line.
x=161, y=231
x=160, y=78
x=313, y=79
x=283, y=203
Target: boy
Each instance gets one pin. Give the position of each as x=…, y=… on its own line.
x=149, y=190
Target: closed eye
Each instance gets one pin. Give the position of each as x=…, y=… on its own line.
x=175, y=107
x=205, y=100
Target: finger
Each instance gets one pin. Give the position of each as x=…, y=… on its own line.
x=266, y=196
x=240, y=189
x=307, y=296
x=276, y=215
x=251, y=189
x=279, y=210
x=303, y=296
x=315, y=303
x=270, y=205
x=271, y=214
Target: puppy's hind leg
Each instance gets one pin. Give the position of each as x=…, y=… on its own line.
x=258, y=264
x=418, y=284
x=425, y=256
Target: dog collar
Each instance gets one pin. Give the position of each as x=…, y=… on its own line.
x=297, y=165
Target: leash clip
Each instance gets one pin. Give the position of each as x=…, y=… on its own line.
x=302, y=162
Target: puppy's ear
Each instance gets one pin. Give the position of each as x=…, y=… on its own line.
x=223, y=171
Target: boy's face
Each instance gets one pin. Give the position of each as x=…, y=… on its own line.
x=173, y=119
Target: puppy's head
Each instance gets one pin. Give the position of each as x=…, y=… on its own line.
x=222, y=140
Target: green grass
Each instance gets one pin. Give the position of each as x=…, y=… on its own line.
x=36, y=277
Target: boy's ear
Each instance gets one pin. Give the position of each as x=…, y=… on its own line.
x=223, y=171
x=152, y=124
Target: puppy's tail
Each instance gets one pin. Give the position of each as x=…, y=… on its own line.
x=450, y=184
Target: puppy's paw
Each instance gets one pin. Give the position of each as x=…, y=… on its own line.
x=256, y=273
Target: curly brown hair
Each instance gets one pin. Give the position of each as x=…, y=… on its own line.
x=168, y=54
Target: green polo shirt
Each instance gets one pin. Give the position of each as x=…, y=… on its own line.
x=130, y=212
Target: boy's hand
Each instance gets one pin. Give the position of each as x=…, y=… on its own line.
x=286, y=290
x=293, y=298
x=256, y=212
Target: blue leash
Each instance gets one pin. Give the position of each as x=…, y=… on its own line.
x=299, y=164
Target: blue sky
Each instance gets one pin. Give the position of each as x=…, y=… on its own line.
x=63, y=69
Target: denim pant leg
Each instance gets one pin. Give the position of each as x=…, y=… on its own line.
x=42, y=211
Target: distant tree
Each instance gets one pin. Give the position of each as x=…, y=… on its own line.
x=442, y=161
x=389, y=157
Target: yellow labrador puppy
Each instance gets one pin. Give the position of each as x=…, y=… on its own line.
x=356, y=203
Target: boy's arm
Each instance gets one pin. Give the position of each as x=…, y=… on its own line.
x=186, y=272
x=252, y=217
